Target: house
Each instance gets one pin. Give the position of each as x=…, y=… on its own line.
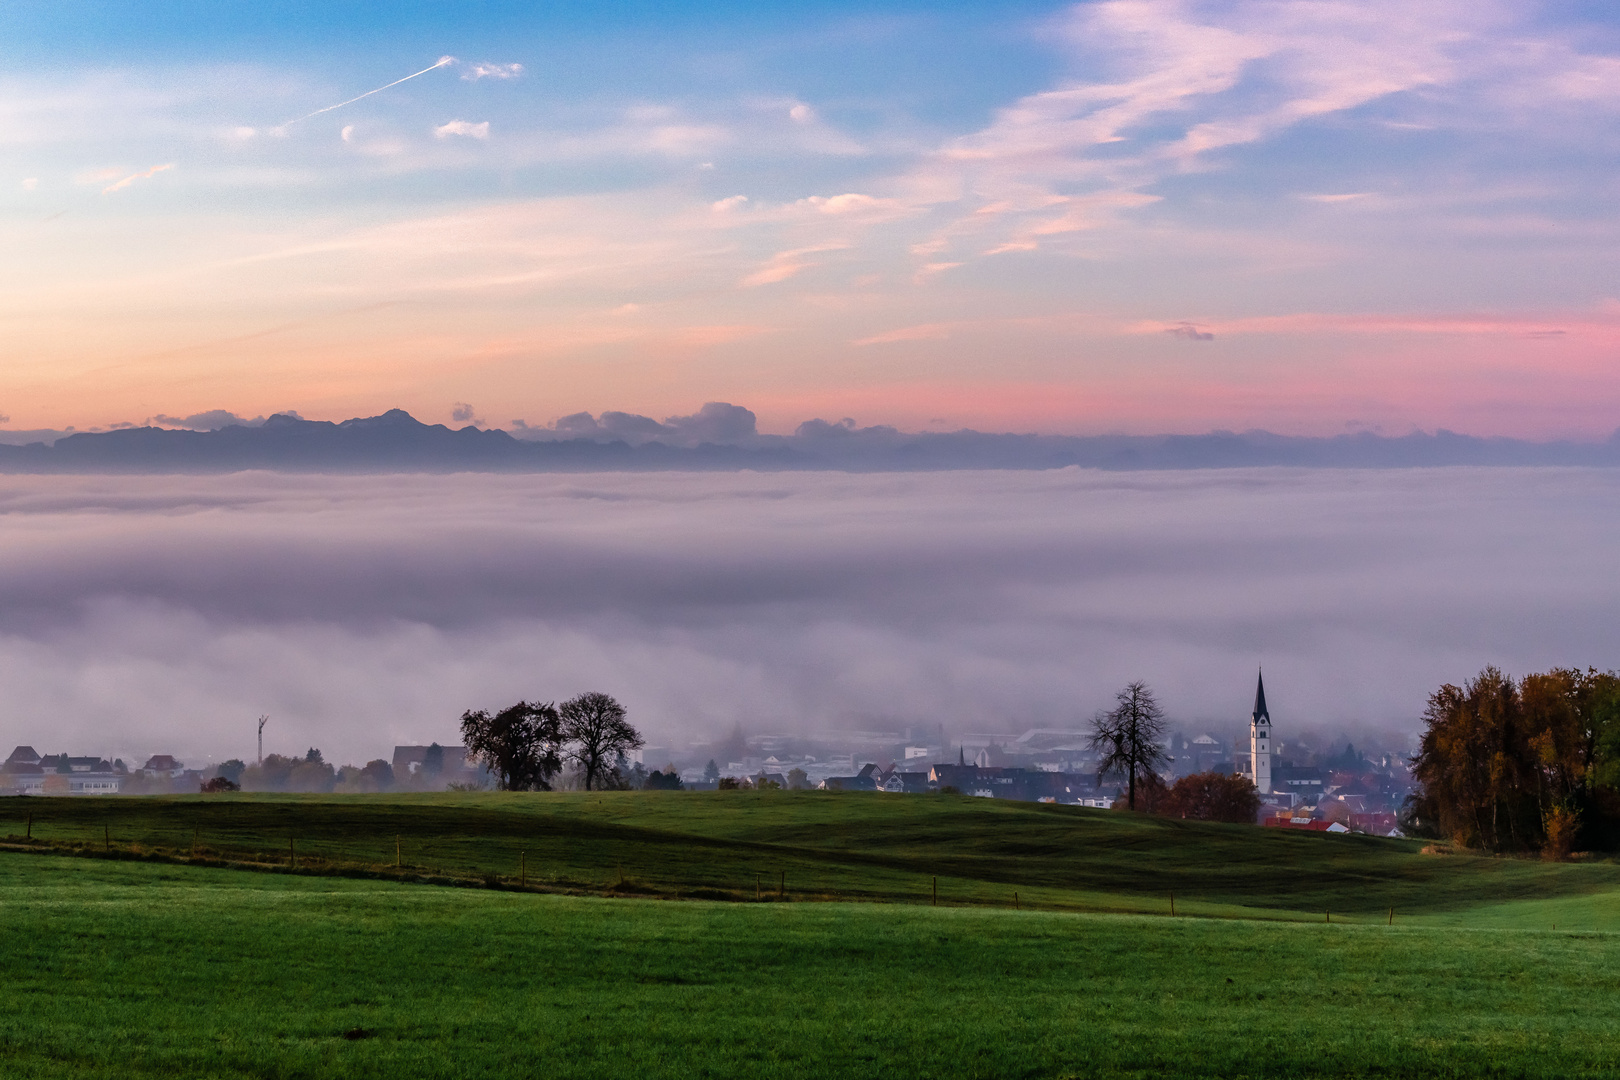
x=162, y=765
x=1307, y=783
x=1375, y=824
x=26, y=772
x=865, y=780
x=1305, y=824
x=905, y=783
x=1024, y=785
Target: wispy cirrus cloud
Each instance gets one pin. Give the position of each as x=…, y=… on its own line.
x=1193, y=80
x=787, y=264
x=478, y=71
x=134, y=178
x=1585, y=323
x=928, y=332
x=1189, y=332
x=464, y=128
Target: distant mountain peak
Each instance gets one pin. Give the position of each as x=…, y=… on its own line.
x=393, y=418
x=723, y=436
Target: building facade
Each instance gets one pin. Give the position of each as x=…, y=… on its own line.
x=1258, y=767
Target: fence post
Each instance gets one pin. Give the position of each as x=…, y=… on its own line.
x=106, y=835
x=1392, y=916
x=292, y=854
x=781, y=893
x=1015, y=902
x=1172, y=904
x=30, y=835
x=523, y=869
x=936, y=892
x=398, y=858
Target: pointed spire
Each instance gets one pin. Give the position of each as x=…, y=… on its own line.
x=961, y=756
x=1260, y=700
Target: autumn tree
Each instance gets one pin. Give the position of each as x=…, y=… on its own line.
x=521, y=744
x=1130, y=737
x=1213, y=796
x=594, y=726
x=1152, y=795
x=1473, y=762
x=1520, y=766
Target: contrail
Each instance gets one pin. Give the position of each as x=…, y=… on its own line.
x=443, y=60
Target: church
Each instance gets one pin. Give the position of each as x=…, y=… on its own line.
x=1257, y=767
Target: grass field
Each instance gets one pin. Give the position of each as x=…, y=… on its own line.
x=809, y=845
x=119, y=967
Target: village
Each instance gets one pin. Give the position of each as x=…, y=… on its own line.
x=1341, y=790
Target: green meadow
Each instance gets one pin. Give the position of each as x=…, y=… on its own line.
x=773, y=934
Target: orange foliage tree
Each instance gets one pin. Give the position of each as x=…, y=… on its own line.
x=1523, y=766
x=1213, y=796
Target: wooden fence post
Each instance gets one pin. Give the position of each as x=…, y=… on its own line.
x=1172, y=904
x=936, y=892
x=292, y=854
x=1392, y=916
x=30, y=835
x=781, y=893
x=106, y=835
x=398, y=858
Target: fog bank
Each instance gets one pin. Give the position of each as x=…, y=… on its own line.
x=162, y=614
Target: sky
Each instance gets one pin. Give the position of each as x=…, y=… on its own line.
x=150, y=614
x=1307, y=216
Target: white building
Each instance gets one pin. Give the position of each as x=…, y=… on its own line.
x=1257, y=767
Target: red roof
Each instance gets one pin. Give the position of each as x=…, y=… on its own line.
x=1305, y=824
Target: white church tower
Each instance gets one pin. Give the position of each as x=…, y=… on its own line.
x=1260, y=740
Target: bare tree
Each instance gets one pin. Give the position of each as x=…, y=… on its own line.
x=594, y=723
x=521, y=745
x=1130, y=736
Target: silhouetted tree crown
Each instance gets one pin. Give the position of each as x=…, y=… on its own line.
x=521, y=744
x=1129, y=738
x=597, y=733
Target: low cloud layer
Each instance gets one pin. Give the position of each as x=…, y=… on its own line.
x=162, y=614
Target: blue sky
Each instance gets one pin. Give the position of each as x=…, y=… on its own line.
x=1145, y=215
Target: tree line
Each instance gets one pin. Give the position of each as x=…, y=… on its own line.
x=1517, y=766
x=526, y=745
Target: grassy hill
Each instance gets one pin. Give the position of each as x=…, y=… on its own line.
x=807, y=846
x=153, y=955
x=120, y=969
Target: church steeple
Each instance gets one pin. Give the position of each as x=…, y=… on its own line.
x=1260, y=739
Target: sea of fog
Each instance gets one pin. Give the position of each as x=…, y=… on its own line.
x=164, y=614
